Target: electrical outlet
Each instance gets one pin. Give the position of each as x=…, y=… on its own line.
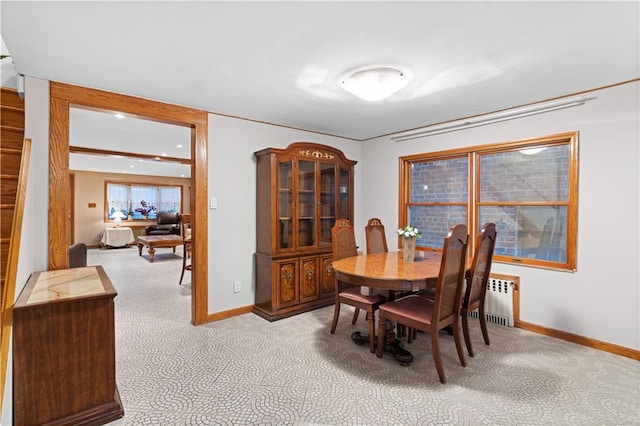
x=236, y=286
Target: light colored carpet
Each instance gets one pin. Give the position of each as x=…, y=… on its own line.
x=246, y=370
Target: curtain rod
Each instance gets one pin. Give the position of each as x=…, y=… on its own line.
x=493, y=118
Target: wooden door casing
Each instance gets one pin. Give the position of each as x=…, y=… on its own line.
x=62, y=97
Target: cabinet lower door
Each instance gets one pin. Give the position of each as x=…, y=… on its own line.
x=286, y=283
x=327, y=286
x=308, y=279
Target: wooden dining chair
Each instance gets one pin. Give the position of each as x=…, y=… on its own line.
x=186, y=244
x=477, y=279
x=343, y=244
x=430, y=316
x=377, y=243
x=375, y=236
x=476, y=285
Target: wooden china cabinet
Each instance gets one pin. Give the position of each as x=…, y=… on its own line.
x=301, y=191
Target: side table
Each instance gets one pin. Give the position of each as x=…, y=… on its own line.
x=117, y=236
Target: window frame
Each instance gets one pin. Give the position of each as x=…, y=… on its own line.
x=474, y=153
x=133, y=183
x=406, y=190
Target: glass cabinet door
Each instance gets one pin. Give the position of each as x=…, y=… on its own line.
x=344, y=203
x=306, y=203
x=285, y=205
x=327, y=202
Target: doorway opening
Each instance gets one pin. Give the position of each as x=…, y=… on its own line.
x=62, y=98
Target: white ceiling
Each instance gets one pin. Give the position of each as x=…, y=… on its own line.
x=279, y=62
x=92, y=129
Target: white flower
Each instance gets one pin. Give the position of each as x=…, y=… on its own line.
x=409, y=232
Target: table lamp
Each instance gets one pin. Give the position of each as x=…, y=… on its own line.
x=117, y=217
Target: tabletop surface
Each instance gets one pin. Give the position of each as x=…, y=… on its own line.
x=390, y=266
x=160, y=238
x=65, y=284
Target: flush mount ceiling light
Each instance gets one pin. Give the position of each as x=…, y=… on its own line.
x=375, y=84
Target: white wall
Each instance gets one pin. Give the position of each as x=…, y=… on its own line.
x=34, y=239
x=601, y=300
x=232, y=180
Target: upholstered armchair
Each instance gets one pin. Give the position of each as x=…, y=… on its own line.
x=166, y=223
x=78, y=255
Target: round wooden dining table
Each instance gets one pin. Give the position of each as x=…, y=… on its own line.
x=388, y=272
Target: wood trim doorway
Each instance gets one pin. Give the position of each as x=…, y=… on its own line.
x=72, y=208
x=62, y=97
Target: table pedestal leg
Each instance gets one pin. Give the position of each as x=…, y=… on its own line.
x=394, y=346
x=391, y=344
x=152, y=251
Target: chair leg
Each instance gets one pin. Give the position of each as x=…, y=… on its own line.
x=483, y=326
x=401, y=330
x=435, y=350
x=336, y=313
x=184, y=264
x=382, y=332
x=371, y=319
x=458, y=340
x=412, y=334
x=355, y=316
x=465, y=331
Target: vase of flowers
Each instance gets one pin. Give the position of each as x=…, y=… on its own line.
x=145, y=208
x=409, y=236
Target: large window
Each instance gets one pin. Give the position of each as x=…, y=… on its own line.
x=527, y=188
x=141, y=201
x=438, y=197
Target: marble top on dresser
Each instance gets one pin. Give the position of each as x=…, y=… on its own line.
x=63, y=284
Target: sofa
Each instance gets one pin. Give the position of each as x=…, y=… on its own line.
x=166, y=224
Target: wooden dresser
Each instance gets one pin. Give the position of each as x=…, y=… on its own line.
x=301, y=191
x=64, y=349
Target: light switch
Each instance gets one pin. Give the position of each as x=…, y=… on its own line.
x=214, y=203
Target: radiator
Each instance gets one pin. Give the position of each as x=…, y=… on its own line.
x=498, y=305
